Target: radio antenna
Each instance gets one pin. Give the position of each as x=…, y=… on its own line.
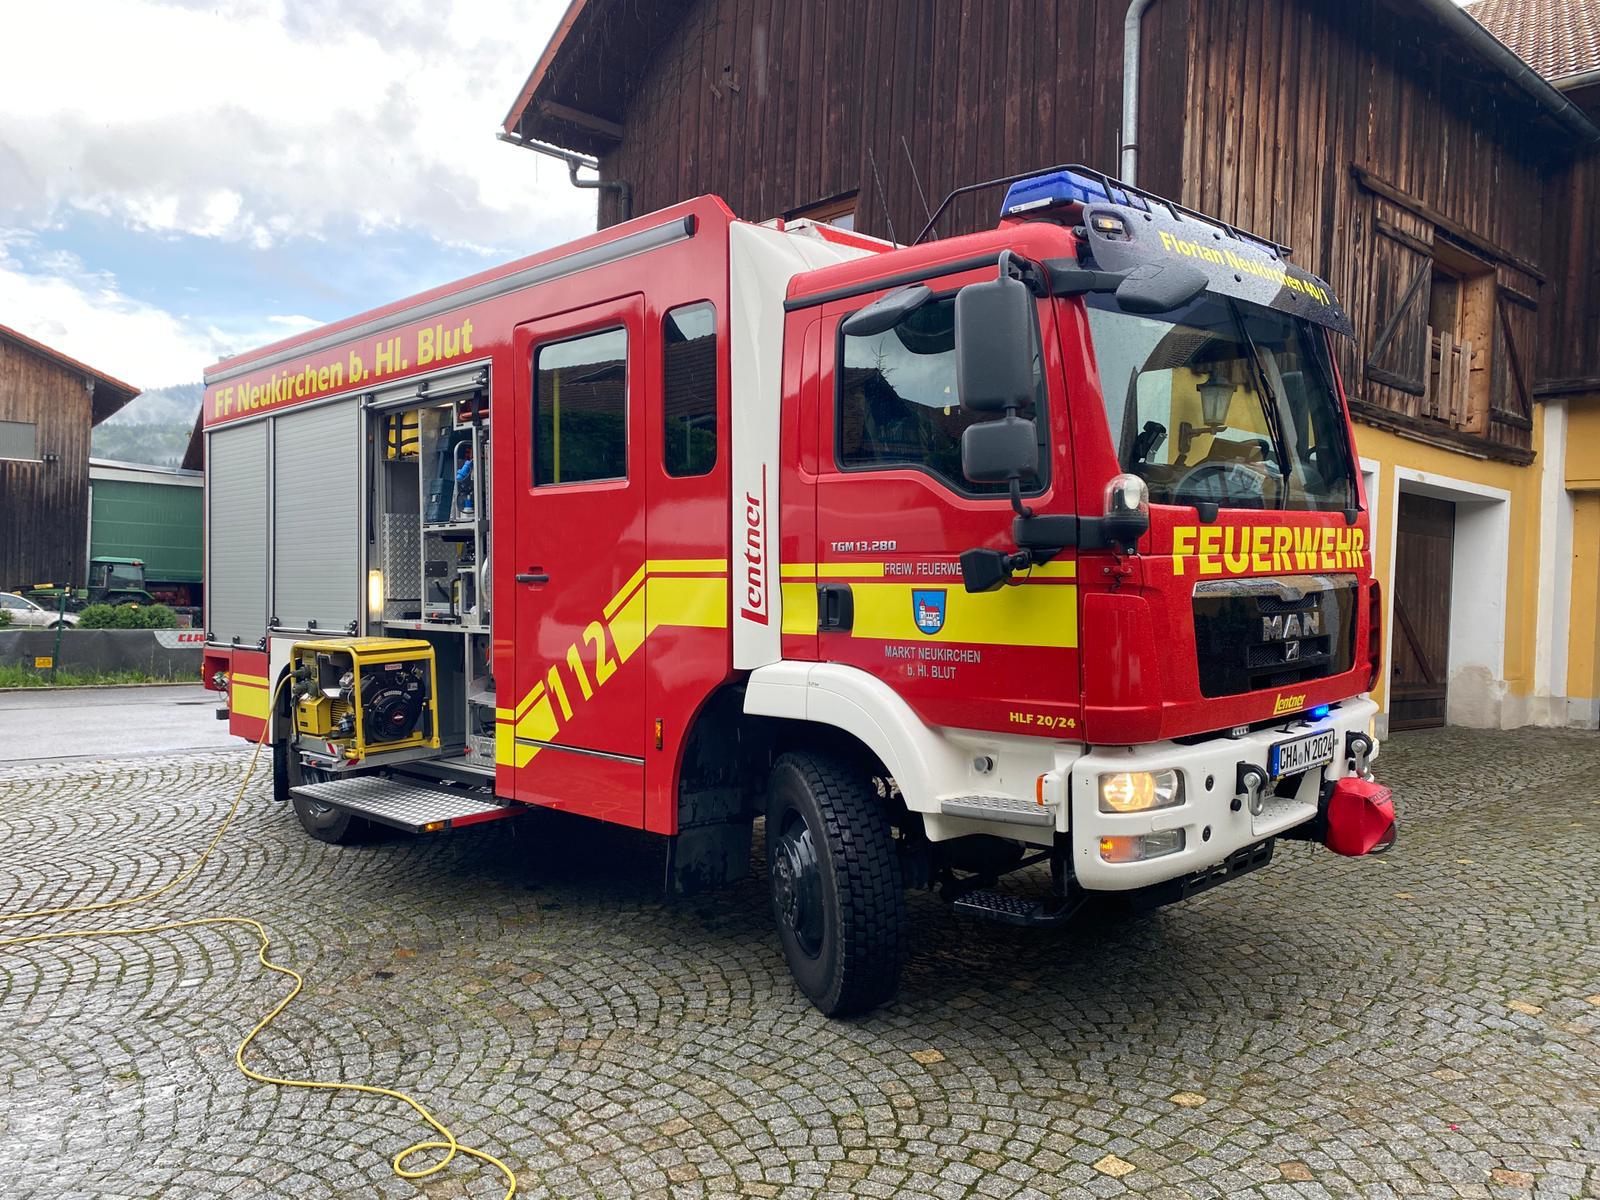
x=910, y=162
x=882, y=202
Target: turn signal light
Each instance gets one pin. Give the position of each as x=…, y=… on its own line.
x=1140, y=791
x=1141, y=847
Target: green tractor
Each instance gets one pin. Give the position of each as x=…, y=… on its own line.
x=117, y=581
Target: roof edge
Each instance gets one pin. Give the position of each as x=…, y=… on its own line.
x=542, y=66
x=1497, y=54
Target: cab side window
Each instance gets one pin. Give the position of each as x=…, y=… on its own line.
x=897, y=403
x=580, y=409
x=689, y=389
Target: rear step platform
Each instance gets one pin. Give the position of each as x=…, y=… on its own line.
x=407, y=804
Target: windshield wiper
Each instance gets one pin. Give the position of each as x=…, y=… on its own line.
x=1269, y=402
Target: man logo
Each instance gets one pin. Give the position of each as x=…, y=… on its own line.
x=1291, y=652
x=1288, y=628
x=927, y=608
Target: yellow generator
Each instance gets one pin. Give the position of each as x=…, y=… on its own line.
x=366, y=697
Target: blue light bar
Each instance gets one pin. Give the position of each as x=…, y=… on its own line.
x=1062, y=187
x=1321, y=711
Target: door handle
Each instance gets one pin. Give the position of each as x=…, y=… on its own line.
x=533, y=578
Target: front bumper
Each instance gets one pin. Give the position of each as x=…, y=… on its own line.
x=1215, y=820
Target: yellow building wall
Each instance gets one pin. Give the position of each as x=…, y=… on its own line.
x=1583, y=481
x=1390, y=451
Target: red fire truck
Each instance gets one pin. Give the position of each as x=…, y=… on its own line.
x=1040, y=545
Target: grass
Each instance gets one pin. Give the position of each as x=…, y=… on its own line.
x=15, y=676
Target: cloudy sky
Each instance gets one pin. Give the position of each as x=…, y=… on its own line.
x=180, y=179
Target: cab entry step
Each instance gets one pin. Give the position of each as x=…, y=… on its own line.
x=406, y=804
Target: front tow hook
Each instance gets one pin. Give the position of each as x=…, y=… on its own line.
x=1251, y=780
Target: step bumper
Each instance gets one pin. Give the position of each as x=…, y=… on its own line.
x=406, y=804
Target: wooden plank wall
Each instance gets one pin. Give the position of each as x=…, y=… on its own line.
x=777, y=106
x=1289, y=102
x=1259, y=111
x=1569, y=330
x=44, y=507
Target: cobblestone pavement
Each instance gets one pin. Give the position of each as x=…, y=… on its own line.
x=1424, y=1024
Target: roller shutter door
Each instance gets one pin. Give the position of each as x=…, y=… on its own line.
x=236, y=530
x=316, y=509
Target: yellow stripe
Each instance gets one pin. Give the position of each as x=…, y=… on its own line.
x=627, y=589
x=252, y=701
x=534, y=693
x=687, y=603
x=249, y=680
x=799, y=607
x=687, y=566
x=1060, y=569
x=1007, y=617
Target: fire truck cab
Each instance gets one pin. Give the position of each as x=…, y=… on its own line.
x=1039, y=545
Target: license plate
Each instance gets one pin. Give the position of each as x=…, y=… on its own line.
x=1302, y=753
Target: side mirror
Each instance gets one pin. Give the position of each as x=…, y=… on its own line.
x=994, y=345
x=1000, y=450
x=1157, y=289
x=886, y=311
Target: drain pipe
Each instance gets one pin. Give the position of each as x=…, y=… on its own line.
x=1128, y=169
x=574, y=160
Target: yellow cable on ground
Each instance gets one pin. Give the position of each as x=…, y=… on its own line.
x=449, y=1144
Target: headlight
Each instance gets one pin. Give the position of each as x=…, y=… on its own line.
x=1140, y=791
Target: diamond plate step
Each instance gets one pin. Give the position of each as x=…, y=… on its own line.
x=1014, y=910
x=405, y=804
x=998, y=808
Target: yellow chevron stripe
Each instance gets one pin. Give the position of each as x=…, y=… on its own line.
x=687, y=566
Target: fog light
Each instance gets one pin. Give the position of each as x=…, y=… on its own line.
x=1141, y=847
x=1140, y=791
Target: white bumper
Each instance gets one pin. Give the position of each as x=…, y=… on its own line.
x=1213, y=825
x=1032, y=789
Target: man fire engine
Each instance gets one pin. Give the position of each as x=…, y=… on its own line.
x=1043, y=544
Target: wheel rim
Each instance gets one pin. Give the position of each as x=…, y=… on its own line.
x=797, y=885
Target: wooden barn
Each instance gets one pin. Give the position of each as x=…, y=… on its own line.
x=48, y=404
x=1443, y=185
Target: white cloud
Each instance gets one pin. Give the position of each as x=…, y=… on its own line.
x=256, y=120
x=53, y=298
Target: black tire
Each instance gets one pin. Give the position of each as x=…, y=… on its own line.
x=834, y=875
x=321, y=821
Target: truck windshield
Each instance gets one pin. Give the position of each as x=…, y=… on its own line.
x=1223, y=402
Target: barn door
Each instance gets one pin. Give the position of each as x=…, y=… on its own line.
x=1400, y=274
x=1420, y=662
x=1511, y=387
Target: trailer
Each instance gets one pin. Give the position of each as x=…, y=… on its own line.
x=1040, y=545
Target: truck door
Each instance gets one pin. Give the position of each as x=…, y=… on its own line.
x=894, y=513
x=578, y=547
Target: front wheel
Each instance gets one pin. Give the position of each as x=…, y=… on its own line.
x=835, y=879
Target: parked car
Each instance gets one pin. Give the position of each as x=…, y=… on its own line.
x=26, y=614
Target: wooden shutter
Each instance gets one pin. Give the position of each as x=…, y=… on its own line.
x=1510, y=379
x=1399, y=278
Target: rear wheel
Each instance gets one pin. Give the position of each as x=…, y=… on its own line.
x=835, y=880
x=322, y=821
